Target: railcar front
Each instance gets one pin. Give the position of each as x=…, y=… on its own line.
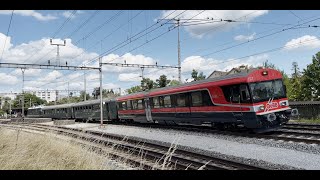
x=261, y=100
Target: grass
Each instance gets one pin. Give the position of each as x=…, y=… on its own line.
x=24, y=151
x=20, y=150
x=311, y=121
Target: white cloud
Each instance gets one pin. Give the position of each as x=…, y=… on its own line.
x=128, y=58
x=244, y=37
x=28, y=72
x=8, y=44
x=207, y=66
x=31, y=13
x=303, y=43
x=6, y=79
x=67, y=14
x=130, y=77
x=40, y=51
x=201, y=29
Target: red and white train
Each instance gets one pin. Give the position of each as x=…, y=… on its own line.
x=255, y=99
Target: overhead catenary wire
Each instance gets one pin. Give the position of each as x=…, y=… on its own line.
x=5, y=42
x=84, y=64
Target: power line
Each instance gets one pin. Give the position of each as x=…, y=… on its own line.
x=294, y=14
x=5, y=42
x=137, y=38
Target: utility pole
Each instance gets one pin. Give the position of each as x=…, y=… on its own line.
x=85, y=84
x=58, y=56
x=179, y=60
x=22, y=113
x=142, y=69
x=68, y=94
x=101, y=103
x=10, y=108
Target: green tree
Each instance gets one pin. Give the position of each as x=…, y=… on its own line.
x=29, y=99
x=147, y=84
x=174, y=83
x=311, y=80
x=133, y=89
x=96, y=92
x=82, y=96
x=295, y=82
x=196, y=77
x=109, y=93
x=163, y=81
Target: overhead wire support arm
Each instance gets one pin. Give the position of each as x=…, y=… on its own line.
x=139, y=65
x=46, y=66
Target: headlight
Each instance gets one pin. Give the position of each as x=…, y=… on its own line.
x=261, y=107
x=283, y=104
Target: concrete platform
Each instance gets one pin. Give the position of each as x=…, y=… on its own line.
x=64, y=122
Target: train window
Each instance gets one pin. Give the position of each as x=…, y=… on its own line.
x=206, y=99
x=236, y=93
x=134, y=104
x=196, y=98
x=161, y=99
x=140, y=104
x=167, y=101
x=155, y=101
x=124, y=105
x=129, y=105
x=181, y=100
x=244, y=92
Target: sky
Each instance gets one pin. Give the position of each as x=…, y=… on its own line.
x=209, y=40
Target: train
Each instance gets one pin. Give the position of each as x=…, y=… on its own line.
x=254, y=99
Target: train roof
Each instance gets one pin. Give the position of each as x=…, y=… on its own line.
x=243, y=74
x=95, y=101
x=58, y=106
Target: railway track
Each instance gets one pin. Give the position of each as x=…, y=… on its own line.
x=281, y=134
x=299, y=126
x=168, y=157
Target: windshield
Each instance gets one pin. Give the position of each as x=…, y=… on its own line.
x=263, y=91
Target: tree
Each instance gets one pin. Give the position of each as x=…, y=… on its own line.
x=147, y=84
x=82, y=93
x=96, y=92
x=295, y=83
x=133, y=89
x=162, y=81
x=106, y=93
x=174, y=83
x=311, y=80
x=28, y=99
x=196, y=77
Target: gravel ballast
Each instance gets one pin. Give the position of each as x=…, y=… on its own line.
x=267, y=153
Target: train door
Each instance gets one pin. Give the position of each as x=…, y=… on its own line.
x=235, y=100
x=148, y=109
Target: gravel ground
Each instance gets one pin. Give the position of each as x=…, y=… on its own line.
x=267, y=153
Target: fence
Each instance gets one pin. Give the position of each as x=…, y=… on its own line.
x=307, y=109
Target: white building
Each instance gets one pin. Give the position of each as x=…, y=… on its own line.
x=48, y=95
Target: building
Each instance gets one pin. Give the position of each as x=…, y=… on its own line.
x=215, y=74
x=47, y=95
x=235, y=70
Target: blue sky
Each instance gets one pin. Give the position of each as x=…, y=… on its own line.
x=205, y=47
